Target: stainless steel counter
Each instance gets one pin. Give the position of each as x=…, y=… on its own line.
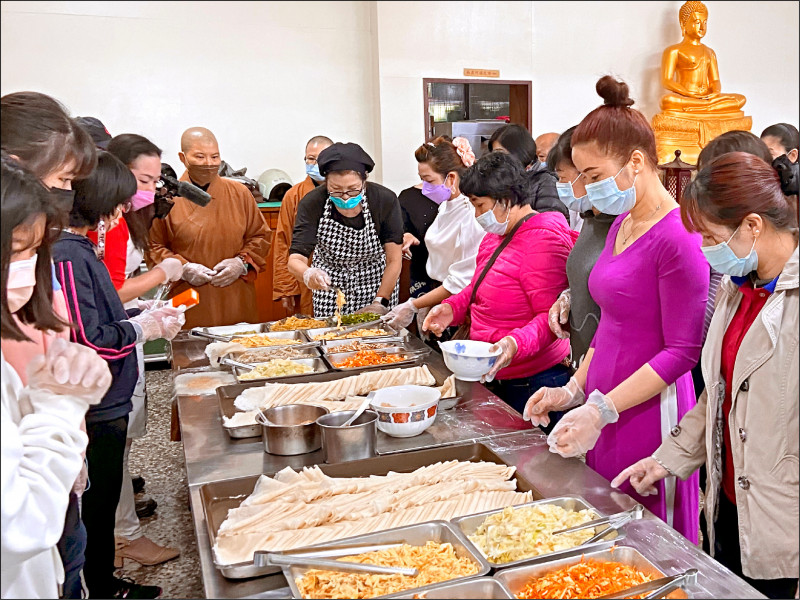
x=212, y=456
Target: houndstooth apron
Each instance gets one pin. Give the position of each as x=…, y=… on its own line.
x=354, y=259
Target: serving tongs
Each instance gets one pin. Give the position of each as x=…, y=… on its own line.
x=235, y=363
x=323, y=559
x=162, y=291
x=357, y=326
x=658, y=587
x=232, y=338
x=614, y=521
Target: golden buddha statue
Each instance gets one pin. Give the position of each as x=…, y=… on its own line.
x=694, y=111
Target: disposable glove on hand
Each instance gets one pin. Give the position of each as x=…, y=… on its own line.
x=163, y=322
x=401, y=315
x=508, y=347
x=316, y=279
x=172, y=267
x=150, y=304
x=578, y=431
x=408, y=241
x=438, y=319
x=643, y=475
x=375, y=308
x=197, y=274
x=546, y=400
x=291, y=304
x=69, y=370
x=228, y=271
x=559, y=314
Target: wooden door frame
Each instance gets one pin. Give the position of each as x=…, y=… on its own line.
x=427, y=80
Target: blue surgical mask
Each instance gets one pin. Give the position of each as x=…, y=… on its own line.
x=349, y=203
x=313, y=172
x=567, y=195
x=723, y=259
x=607, y=198
x=490, y=223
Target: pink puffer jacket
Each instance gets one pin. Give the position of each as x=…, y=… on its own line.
x=516, y=295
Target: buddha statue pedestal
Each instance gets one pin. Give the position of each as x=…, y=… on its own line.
x=689, y=133
x=694, y=111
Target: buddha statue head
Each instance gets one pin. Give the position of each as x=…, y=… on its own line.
x=693, y=17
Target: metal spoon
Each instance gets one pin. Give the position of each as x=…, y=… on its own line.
x=266, y=420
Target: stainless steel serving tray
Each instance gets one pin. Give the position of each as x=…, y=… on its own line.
x=515, y=579
x=415, y=535
x=297, y=336
x=391, y=331
x=269, y=324
x=227, y=409
x=331, y=346
x=333, y=359
x=220, y=496
x=240, y=329
x=469, y=524
x=477, y=587
x=317, y=364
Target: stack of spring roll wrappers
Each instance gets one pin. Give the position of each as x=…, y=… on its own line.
x=337, y=395
x=292, y=509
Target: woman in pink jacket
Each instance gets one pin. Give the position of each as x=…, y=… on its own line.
x=511, y=304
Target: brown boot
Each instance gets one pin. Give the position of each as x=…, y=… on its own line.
x=142, y=550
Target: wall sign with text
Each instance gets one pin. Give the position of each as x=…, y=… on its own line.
x=481, y=73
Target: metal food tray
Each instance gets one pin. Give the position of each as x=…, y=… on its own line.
x=219, y=497
x=332, y=359
x=317, y=364
x=330, y=346
x=240, y=329
x=269, y=324
x=278, y=336
x=516, y=579
x=415, y=535
x=307, y=353
x=227, y=409
x=477, y=587
x=311, y=333
x=469, y=524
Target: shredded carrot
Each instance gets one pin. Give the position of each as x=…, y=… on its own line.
x=587, y=579
x=369, y=358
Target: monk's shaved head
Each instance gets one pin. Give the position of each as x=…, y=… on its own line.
x=197, y=135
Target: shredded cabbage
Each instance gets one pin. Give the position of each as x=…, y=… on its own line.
x=518, y=533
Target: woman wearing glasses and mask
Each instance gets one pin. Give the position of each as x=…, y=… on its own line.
x=354, y=230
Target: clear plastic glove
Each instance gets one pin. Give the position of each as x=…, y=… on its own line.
x=316, y=279
x=401, y=315
x=559, y=314
x=643, y=475
x=291, y=304
x=546, y=400
x=509, y=348
x=197, y=274
x=375, y=307
x=438, y=319
x=150, y=304
x=70, y=370
x=578, y=431
x=408, y=241
x=172, y=267
x=163, y=322
x=228, y=271
x=80, y=483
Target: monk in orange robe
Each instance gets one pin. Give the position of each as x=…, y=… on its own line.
x=223, y=246
x=294, y=295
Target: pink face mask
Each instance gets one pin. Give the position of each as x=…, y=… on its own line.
x=142, y=198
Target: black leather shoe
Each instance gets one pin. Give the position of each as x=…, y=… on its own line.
x=145, y=508
x=138, y=484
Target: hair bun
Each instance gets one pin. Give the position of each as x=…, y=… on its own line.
x=613, y=92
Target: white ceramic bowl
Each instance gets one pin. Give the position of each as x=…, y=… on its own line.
x=405, y=410
x=469, y=360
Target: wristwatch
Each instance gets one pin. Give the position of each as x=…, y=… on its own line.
x=384, y=301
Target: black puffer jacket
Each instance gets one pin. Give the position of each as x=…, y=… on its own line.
x=543, y=195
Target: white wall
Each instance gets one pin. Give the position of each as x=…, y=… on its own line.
x=263, y=76
x=266, y=76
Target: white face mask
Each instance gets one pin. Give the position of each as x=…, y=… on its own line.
x=490, y=223
x=21, y=281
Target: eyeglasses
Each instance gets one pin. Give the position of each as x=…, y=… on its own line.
x=310, y=160
x=346, y=195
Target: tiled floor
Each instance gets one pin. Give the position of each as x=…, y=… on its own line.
x=161, y=463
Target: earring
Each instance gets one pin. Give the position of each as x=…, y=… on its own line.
x=636, y=171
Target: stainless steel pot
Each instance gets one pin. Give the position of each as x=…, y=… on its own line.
x=341, y=444
x=295, y=430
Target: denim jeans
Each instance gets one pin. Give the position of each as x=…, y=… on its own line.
x=72, y=547
x=517, y=392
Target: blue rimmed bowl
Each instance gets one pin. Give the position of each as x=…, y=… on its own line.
x=469, y=360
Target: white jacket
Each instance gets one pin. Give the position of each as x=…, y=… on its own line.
x=41, y=457
x=452, y=241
